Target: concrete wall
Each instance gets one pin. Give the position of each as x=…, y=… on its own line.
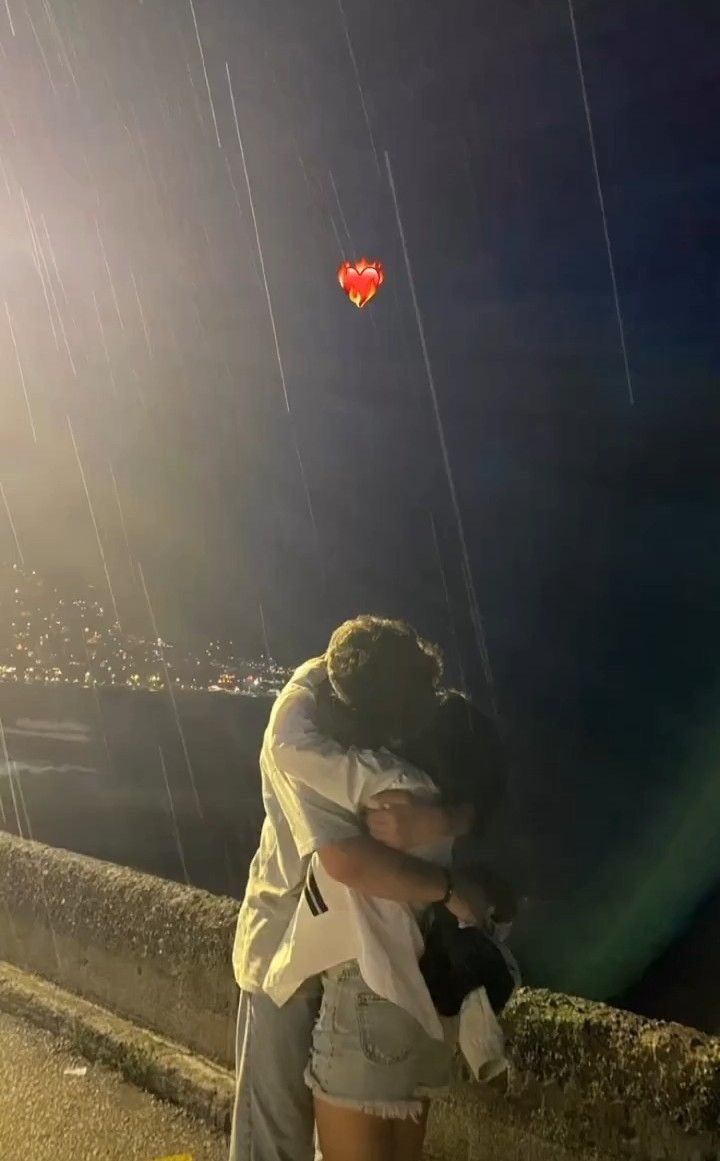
x=148, y=949
x=590, y=1079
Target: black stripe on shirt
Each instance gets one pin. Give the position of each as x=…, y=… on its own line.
x=313, y=898
x=309, y=900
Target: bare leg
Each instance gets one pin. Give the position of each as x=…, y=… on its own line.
x=350, y=1135
x=410, y=1137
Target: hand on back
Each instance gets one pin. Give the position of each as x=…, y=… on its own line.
x=402, y=821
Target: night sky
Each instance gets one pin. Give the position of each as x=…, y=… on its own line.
x=300, y=468
x=136, y=299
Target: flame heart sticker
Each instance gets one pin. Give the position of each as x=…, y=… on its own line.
x=361, y=280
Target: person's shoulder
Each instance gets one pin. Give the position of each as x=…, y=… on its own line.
x=310, y=675
x=298, y=699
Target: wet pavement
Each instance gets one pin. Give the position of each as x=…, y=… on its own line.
x=55, y=1106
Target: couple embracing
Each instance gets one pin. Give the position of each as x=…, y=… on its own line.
x=369, y=943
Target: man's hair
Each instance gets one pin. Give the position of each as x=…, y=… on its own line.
x=384, y=672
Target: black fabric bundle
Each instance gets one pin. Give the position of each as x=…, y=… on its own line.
x=458, y=960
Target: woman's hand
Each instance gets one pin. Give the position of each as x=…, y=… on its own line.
x=406, y=823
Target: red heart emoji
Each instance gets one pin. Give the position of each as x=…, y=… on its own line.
x=361, y=280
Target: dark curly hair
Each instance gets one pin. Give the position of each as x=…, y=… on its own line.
x=385, y=675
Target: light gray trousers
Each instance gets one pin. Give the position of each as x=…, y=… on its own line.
x=273, y=1115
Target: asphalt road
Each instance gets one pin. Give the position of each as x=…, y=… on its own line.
x=49, y=1113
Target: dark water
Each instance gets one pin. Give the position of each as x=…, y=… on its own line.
x=93, y=782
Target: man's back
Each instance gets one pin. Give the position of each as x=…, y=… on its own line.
x=313, y=789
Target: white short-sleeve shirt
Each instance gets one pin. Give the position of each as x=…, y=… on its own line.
x=313, y=791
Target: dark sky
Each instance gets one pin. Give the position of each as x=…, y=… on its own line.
x=135, y=296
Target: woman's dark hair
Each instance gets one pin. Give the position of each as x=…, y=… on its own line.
x=384, y=674
x=461, y=750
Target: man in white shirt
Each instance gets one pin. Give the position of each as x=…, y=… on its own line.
x=314, y=789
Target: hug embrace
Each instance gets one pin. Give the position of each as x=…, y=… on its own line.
x=371, y=940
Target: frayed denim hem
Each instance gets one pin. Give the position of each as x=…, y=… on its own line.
x=387, y=1110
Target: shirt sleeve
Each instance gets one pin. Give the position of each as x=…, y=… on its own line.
x=321, y=785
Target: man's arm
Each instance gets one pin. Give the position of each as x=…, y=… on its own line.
x=321, y=785
x=371, y=868
x=409, y=823
x=345, y=776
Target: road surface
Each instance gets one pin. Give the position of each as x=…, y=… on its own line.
x=50, y=1110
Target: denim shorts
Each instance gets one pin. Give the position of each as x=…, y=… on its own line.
x=368, y=1054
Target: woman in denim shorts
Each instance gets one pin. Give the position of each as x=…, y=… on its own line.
x=374, y=1069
